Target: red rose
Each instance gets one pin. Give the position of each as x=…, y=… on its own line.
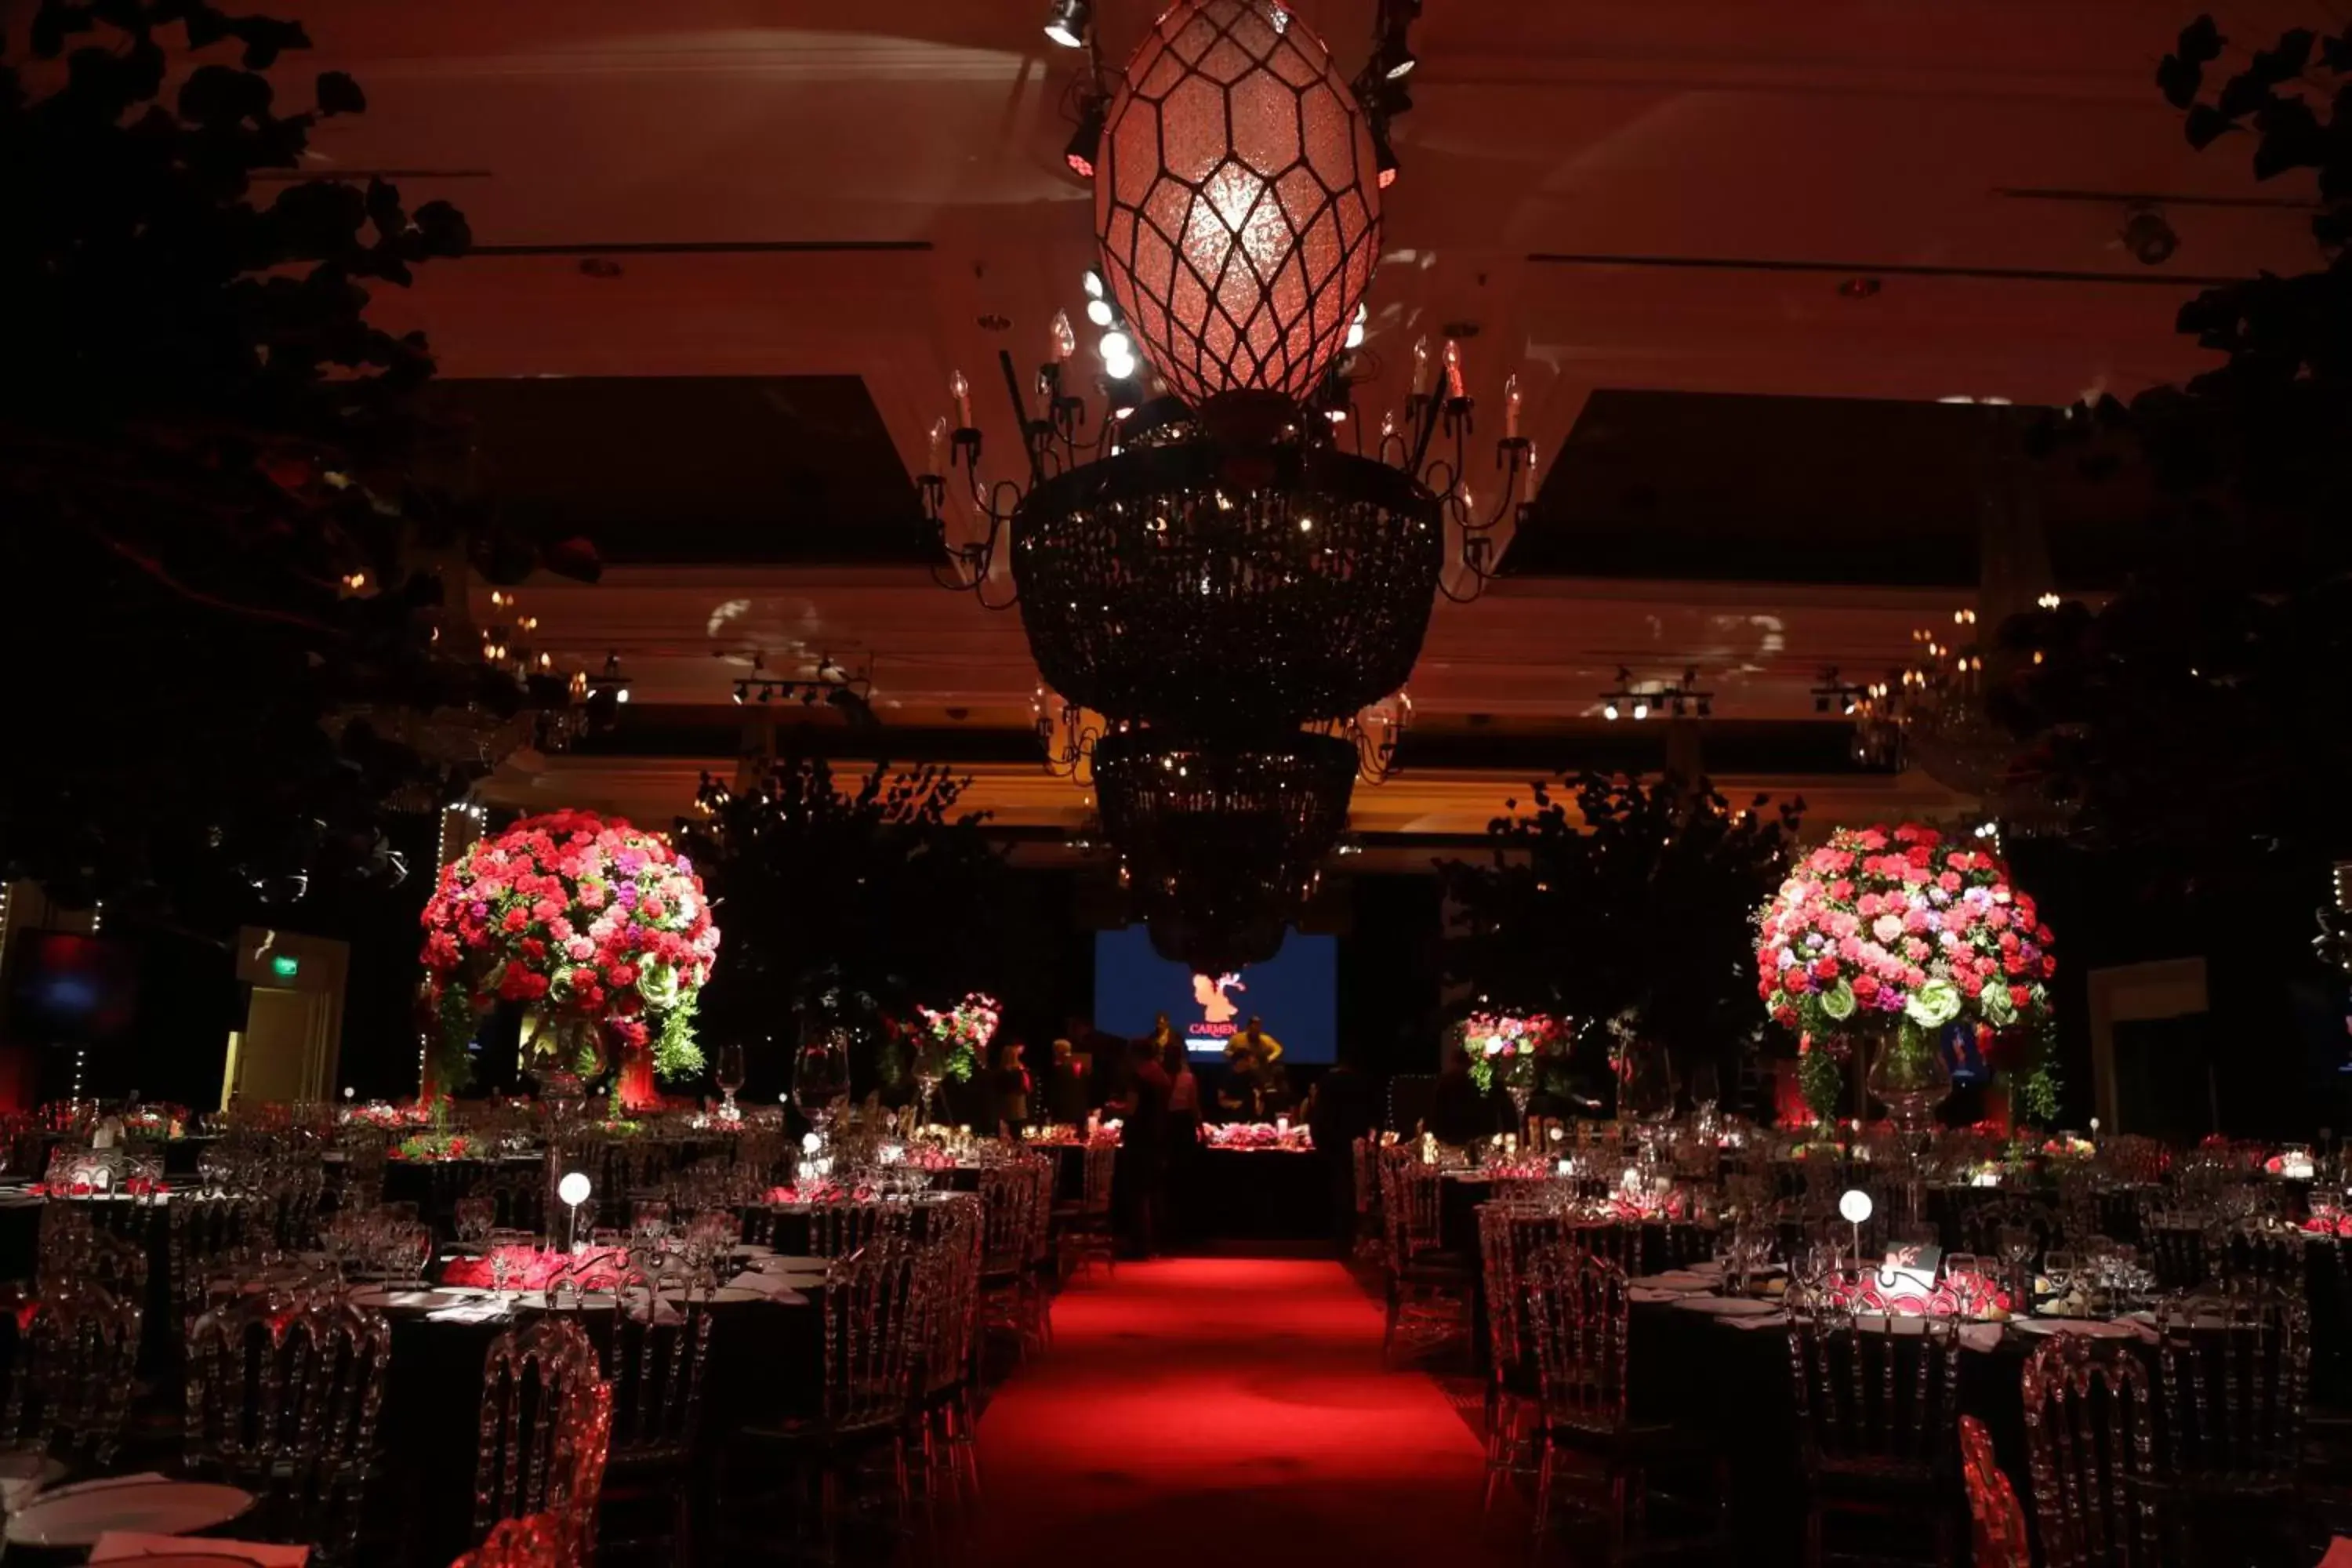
x=1785, y=1017
x=2049, y=966
x=1865, y=986
x=518, y=920
x=1792, y=979
x=1825, y=968
x=2020, y=995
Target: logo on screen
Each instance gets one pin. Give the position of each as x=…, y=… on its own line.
x=1210, y=993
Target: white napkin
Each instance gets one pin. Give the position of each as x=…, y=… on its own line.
x=1651, y=1294
x=481, y=1312
x=123, y=1546
x=1776, y=1321
x=1980, y=1336
x=775, y=1286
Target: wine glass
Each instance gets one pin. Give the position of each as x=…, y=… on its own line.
x=2059, y=1268
x=475, y=1216
x=821, y=1077
x=728, y=1076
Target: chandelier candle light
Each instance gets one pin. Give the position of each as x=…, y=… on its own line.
x=1891, y=936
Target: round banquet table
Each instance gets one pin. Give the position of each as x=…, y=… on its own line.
x=788, y=1224
x=766, y=1362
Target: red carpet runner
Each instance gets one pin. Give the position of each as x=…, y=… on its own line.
x=1215, y=1413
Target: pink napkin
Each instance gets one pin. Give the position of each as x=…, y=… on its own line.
x=2339, y=1554
x=125, y=1546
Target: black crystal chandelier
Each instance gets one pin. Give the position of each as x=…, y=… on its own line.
x=1223, y=589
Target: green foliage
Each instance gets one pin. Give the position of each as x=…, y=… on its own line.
x=453, y=1068
x=1638, y=901
x=676, y=1054
x=2034, y=1084
x=855, y=899
x=1819, y=1079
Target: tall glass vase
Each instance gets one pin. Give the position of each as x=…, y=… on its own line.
x=564, y=1052
x=1910, y=1076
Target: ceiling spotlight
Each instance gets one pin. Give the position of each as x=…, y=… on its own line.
x=1116, y=344
x=1066, y=23
x=1641, y=709
x=1099, y=311
x=1608, y=712
x=1085, y=142
x=2147, y=237
x=1396, y=59
x=1091, y=280
x=1356, y=328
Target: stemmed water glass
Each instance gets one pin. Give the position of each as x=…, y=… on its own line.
x=2059, y=1265
x=2016, y=1242
x=475, y=1216
x=821, y=1077
x=729, y=1076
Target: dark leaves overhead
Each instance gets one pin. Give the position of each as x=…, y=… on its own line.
x=204, y=444
x=1623, y=895
x=2199, y=717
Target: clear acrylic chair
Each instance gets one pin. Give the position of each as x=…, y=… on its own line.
x=283, y=1397
x=2089, y=1443
x=539, y=1384
x=1876, y=1399
x=1997, y=1522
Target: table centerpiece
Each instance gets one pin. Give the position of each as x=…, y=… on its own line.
x=1883, y=938
x=598, y=929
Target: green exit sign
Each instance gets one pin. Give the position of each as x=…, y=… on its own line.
x=285, y=965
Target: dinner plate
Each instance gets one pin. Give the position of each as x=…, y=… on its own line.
x=584, y=1301
x=1675, y=1279
x=80, y=1515
x=1725, y=1306
x=2087, y=1327
x=413, y=1300
x=723, y=1295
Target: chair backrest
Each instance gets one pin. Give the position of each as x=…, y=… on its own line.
x=69, y=1380
x=1008, y=1194
x=2088, y=1443
x=659, y=1350
x=74, y=1250
x=1415, y=1197
x=1624, y=1243
x=1996, y=1520
x=1101, y=1163
x=950, y=1294
x=1577, y=1314
x=2233, y=1368
x=282, y=1400
x=1981, y=1224
x=204, y=1230
x=1510, y=1236
x=872, y=1323
x=535, y=1542
x=535, y=1392
x=838, y=1230
x=1865, y=1391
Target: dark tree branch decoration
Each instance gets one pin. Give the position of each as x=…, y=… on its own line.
x=1636, y=908
x=858, y=898
x=228, y=519
x=2201, y=717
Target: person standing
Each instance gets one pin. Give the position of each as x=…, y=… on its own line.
x=1145, y=1144
x=1183, y=1141
x=1011, y=1088
x=1068, y=1095
x=1339, y=1111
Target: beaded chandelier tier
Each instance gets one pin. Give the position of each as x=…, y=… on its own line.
x=1172, y=586
x=1236, y=201
x=1221, y=845
x=1206, y=579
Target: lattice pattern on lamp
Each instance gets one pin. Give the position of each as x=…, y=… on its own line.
x=1236, y=200
x=1156, y=588
x=1221, y=843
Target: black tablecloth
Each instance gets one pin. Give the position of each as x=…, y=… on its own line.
x=1259, y=1194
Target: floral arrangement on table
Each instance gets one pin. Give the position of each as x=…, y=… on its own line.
x=535, y=1268
x=1644, y=1204
x=387, y=1118
x=2066, y=1146
x=156, y=1119
x=1287, y=1136
x=425, y=1148
x=818, y=1192
x=83, y=1186
x=1892, y=933
x=588, y=921
x=1903, y=1295
x=2293, y=1164
x=961, y=1034
x=1507, y=1046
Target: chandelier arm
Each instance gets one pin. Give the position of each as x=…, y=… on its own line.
x=1030, y=437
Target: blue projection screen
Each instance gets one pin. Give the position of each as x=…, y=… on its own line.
x=1295, y=996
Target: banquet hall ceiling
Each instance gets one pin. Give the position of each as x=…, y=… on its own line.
x=832, y=207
